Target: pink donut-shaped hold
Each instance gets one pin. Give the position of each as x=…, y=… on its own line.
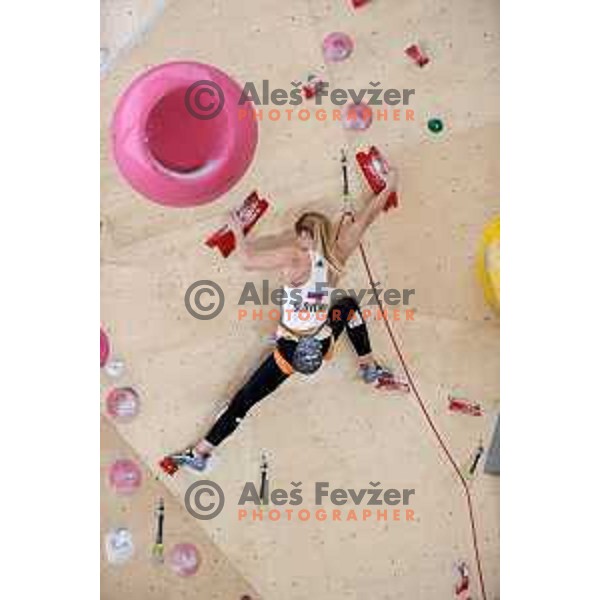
x=184, y=559
x=122, y=404
x=180, y=135
x=104, y=347
x=124, y=476
x=337, y=46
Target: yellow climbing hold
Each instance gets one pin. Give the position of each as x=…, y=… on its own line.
x=488, y=263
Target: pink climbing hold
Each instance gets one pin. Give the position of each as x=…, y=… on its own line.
x=337, y=47
x=124, y=476
x=357, y=116
x=104, y=347
x=184, y=559
x=122, y=404
x=181, y=135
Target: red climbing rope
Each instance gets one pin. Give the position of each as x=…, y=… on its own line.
x=428, y=418
x=415, y=390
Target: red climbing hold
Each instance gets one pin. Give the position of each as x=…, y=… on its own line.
x=391, y=382
x=168, y=465
x=248, y=214
x=417, y=55
x=461, y=589
x=313, y=86
x=359, y=3
x=463, y=406
x=374, y=167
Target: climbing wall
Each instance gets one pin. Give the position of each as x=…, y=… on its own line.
x=143, y=576
x=331, y=427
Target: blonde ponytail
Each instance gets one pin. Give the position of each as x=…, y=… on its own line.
x=321, y=229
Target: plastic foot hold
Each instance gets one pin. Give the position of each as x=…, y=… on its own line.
x=435, y=125
x=124, y=476
x=169, y=466
x=392, y=383
x=122, y=404
x=184, y=559
x=461, y=589
x=118, y=544
x=463, y=406
x=417, y=55
x=357, y=117
x=314, y=84
x=337, y=46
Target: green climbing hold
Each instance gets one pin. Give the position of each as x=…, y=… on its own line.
x=435, y=125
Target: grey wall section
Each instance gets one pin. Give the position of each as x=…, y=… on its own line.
x=492, y=462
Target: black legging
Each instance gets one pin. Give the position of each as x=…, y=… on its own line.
x=345, y=314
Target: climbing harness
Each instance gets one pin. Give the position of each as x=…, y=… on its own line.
x=308, y=354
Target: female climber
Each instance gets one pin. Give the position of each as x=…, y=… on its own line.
x=310, y=323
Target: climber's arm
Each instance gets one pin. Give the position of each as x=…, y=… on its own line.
x=351, y=231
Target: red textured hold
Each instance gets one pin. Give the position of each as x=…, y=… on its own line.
x=312, y=87
x=460, y=405
x=309, y=91
x=248, y=214
x=462, y=586
x=374, y=167
x=169, y=466
x=391, y=202
x=417, y=55
x=392, y=383
x=359, y=3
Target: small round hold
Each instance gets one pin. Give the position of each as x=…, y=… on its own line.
x=118, y=544
x=337, y=46
x=435, y=125
x=357, y=117
x=124, y=476
x=122, y=404
x=115, y=368
x=184, y=559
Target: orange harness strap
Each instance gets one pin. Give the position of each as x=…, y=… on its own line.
x=282, y=363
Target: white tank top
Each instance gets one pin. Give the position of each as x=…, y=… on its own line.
x=305, y=308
